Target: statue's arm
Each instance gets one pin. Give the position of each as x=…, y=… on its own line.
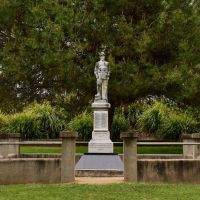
x=96, y=70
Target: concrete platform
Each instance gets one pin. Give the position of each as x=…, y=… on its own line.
x=93, y=164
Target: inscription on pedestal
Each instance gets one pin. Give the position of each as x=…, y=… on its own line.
x=100, y=120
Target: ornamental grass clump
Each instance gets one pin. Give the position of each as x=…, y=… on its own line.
x=167, y=122
x=152, y=118
x=119, y=125
x=38, y=121
x=134, y=112
x=83, y=124
x=3, y=122
x=176, y=125
x=26, y=124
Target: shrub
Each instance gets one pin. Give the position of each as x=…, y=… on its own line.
x=134, y=112
x=160, y=117
x=131, y=112
x=3, y=122
x=26, y=124
x=119, y=124
x=51, y=120
x=83, y=124
x=151, y=119
x=38, y=121
x=176, y=125
x=167, y=121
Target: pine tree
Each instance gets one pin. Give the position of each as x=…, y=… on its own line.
x=49, y=48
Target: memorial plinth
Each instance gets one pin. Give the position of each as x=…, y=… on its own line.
x=100, y=148
x=100, y=142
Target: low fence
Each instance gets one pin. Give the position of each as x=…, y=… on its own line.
x=11, y=149
x=15, y=168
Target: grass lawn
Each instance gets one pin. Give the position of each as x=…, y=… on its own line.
x=104, y=192
x=84, y=149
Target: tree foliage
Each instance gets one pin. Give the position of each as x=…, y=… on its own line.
x=48, y=49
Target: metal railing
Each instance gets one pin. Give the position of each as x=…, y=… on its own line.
x=80, y=142
x=38, y=144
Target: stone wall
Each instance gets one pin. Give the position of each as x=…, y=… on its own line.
x=169, y=170
x=47, y=170
x=30, y=170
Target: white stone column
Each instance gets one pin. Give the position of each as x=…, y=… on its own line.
x=68, y=156
x=100, y=142
x=130, y=155
x=191, y=151
x=9, y=150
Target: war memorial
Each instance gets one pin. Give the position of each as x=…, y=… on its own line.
x=100, y=161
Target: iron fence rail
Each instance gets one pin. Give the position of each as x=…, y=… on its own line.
x=80, y=142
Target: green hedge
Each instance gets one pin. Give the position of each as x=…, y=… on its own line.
x=83, y=124
x=3, y=122
x=176, y=125
x=119, y=124
x=38, y=121
x=166, y=121
x=134, y=111
x=159, y=118
x=151, y=119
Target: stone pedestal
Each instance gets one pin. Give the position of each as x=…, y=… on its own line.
x=9, y=150
x=68, y=156
x=100, y=142
x=130, y=155
x=191, y=151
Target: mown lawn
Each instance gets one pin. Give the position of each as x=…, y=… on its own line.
x=104, y=192
x=84, y=149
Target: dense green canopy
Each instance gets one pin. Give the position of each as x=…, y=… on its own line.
x=48, y=49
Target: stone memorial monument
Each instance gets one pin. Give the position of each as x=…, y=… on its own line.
x=100, y=154
x=100, y=142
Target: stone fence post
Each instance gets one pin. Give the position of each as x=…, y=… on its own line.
x=9, y=150
x=68, y=156
x=130, y=155
x=191, y=151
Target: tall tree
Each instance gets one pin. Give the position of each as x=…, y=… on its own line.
x=49, y=48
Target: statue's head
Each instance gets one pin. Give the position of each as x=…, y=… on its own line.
x=102, y=55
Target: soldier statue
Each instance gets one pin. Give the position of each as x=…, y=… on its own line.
x=102, y=73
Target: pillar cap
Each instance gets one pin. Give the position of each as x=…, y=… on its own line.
x=9, y=135
x=100, y=104
x=129, y=134
x=68, y=134
x=191, y=136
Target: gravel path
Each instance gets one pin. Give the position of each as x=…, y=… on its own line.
x=99, y=180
